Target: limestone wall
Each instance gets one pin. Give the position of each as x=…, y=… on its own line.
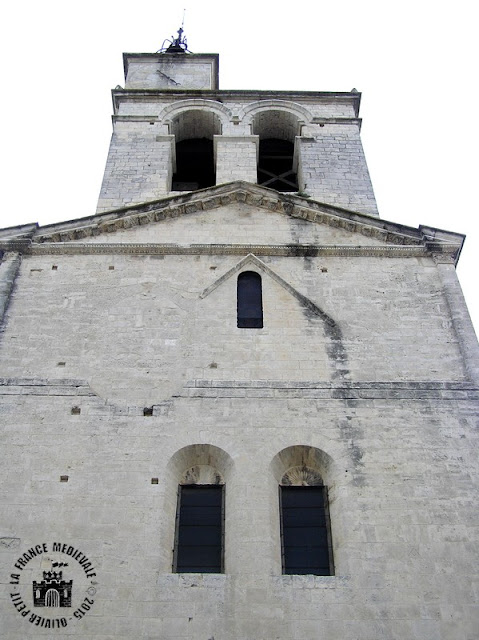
x=401, y=485
x=123, y=368
x=138, y=327
x=122, y=371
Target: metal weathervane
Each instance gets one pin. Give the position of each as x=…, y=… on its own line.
x=175, y=45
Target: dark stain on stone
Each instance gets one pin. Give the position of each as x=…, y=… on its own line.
x=334, y=348
x=302, y=250
x=356, y=455
x=359, y=480
x=9, y=275
x=351, y=432
x=307, y=263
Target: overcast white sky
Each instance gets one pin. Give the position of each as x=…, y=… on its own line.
x=415, y=63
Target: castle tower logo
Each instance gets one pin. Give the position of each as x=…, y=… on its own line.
x=59, y=587
x=52, y=591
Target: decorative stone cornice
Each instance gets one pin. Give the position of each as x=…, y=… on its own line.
x=215, y=197
x=398, y=240
x=337, y=120
x=125, y=118
x=79, y=248
x=299, y=250
x=365, y=391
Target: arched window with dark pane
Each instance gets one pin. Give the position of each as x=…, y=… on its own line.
x=199, y=537
x=249, y=301
x=306, y=546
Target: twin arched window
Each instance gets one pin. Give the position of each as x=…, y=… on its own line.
x=195, y=129
x=195, y=165
x=304, y=523
x=306, y=546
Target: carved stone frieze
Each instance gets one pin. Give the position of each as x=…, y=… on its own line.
x=300, y=250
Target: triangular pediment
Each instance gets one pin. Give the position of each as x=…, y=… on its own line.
x=240, y=217
x=251, y=261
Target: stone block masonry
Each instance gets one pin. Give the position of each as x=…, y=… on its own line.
x=329, y=158
x=131, y=332
x=394, y=456
x=334, y=170
x=125, y=375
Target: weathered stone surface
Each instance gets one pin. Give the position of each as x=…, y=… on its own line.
x=133, y=331
x=123, y=369
x=396, y=467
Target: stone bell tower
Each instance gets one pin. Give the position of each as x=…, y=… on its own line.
x=236, y=403
x=171, y=114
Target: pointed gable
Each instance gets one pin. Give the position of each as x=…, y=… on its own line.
x=234, y=223
x=238, y=218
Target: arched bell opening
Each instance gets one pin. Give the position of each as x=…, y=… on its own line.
x=277, y=131
x=194, y=158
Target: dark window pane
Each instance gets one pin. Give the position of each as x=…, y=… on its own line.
x=200, y=556
x=201, y=495
x=303, y=517
x=197, y=569
x=200, y=516
x=307, y=556
x=301, y=571
x=302, y=536
x=306, y=545
x=199, y=536
x=299, y=497
x=249, y=300
x=199, y=529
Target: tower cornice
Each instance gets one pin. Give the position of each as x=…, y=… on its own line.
x=146, y=95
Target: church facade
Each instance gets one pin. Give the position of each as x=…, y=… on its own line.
x=236, y=403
